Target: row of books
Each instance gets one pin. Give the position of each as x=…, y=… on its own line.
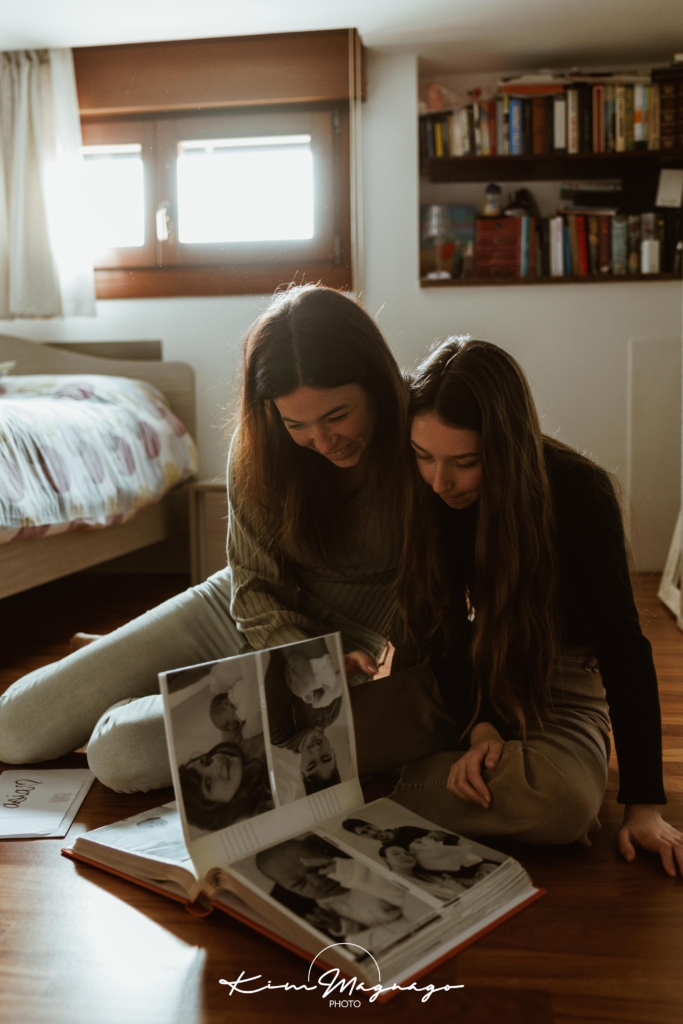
x=567, y=245
x=541, y=114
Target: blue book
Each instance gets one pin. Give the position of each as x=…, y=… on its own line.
x=567, y=252
x=516, y=127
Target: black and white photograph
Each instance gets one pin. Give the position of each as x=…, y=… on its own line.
x=218, y=744
x=309, y=718
x=336, y=893
x=440, y=863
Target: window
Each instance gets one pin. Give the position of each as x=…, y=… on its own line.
x=219, y=166
x=220, y=202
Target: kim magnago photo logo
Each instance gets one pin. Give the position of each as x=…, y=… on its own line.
x=339, y=991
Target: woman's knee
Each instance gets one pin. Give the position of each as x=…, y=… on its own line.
x=127, y=751
x=546, y=799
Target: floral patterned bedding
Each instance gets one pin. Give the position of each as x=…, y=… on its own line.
x=86, y=451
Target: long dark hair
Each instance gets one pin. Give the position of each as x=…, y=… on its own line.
x=315, y=337
x=474, y=385
x=252, y=797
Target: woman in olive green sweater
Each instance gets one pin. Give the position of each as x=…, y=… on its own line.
x=316, y=476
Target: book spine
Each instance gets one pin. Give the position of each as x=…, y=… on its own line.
x=500, y=144
x=585, y=119
x=647, y=113
x=668, y=113
x=524, y=253
x=438, y=139
x=471, y=140
x=574, y=244
x=505, y=129
x=556, y=247
x=610, y=127
x=567, y=249
x=598, y=119
x=572, y=121
x=516, y=127
x=619, y=245
x=538, y=125
x=593, y=246
x=493, y=127
x=605, y=251
x=549, y=126
x=629, y=118
x=457, y=148
x=653, y=136
x=620, y=117
x=582, y=246
x=639, y=116
x=528, y=126
x=560, y=123
x=485, y=130
x=634, y=243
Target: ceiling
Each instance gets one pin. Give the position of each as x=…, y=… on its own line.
x=452, y=35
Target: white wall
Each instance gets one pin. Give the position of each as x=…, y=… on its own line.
x=573, y=340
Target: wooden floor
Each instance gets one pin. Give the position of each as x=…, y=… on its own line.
x=80, y=947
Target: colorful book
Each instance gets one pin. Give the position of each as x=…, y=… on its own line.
x=556, y=246
x=605, y=245
x=619, y=245
x=538, y=125
x=516, y=127
x=572, y=120
x=560, y=123
x=634, y=243
x=593, y=245
x=582, y=246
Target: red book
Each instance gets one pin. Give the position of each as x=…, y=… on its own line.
x=538, y=125
x=582, y=240
x=490, y=107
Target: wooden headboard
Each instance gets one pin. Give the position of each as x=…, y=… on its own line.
x=175, y=380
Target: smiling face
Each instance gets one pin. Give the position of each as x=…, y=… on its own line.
x=448, y=458
x=221, y=775
x=335, y=422
x=370, y=831
x=317, y=756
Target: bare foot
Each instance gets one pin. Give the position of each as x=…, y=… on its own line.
x=79, y=640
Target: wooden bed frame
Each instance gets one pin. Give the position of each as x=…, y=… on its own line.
x=28, y=563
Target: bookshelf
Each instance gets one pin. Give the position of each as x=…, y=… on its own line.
x=620, y=144
x=493, y=282
x=550, y=166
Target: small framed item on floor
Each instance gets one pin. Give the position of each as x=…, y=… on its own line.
x=670, y=587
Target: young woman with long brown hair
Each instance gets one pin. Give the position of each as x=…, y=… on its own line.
x=516, y=578
x=316, y=476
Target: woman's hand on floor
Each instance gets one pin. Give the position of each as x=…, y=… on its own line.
x=644, y=825
x=465, y=779
x=359, y=663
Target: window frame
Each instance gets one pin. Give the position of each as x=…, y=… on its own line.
x=170, y=268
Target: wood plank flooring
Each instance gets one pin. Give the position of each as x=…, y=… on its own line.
x=80, y=947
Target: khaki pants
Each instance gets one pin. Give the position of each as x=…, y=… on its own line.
x=547, y=788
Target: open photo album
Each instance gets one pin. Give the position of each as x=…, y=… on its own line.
x=270, y=825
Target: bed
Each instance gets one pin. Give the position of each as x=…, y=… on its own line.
x=36, y=556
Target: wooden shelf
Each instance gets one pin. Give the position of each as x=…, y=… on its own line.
x=550, y=167
x=469, y=282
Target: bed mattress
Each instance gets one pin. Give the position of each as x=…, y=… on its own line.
x=85, y=452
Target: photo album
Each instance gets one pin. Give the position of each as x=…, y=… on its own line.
x=270, y=826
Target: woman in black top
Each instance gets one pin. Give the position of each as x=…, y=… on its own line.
x=516, y=572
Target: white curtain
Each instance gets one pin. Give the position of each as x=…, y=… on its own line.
x=46, y=267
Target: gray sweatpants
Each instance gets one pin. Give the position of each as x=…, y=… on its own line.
x=108, y=693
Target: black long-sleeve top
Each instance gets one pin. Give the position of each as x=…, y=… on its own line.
x=596, y=609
